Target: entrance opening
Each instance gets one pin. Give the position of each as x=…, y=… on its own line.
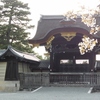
x=77, y=65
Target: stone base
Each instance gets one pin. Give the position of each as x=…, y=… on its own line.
x=9, y=86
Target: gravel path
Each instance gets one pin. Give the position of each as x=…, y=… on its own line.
x=52, y=93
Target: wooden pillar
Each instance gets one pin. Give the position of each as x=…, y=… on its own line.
x=94, y=58
x=51, y=60
x=92, y=61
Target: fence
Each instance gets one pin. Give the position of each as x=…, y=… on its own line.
x=90, y=79
x=33, y=80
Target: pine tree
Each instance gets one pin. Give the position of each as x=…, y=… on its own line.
x=14, y=19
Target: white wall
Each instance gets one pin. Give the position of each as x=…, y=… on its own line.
x=2, y=70
x=98, y=57
x=23, y=67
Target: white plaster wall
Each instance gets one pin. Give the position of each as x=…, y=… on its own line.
x=7, y=86
x=2, y=70
x=23, y=68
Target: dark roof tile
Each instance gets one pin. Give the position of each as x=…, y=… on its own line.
x=50, y=22
x=47, y=23
x=44, y=64
x=20, y=54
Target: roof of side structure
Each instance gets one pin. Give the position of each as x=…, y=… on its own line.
x=19, y=54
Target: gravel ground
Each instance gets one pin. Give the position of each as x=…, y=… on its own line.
x=53, y=93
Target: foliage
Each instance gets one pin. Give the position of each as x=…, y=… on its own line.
x=87, y=44
x=14, y=24
x=89, y=17
x=39, y=56
x=47, y=58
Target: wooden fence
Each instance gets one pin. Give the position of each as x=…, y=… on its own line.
x=86, y=79
x=33, y=80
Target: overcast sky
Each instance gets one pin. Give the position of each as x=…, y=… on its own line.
x=53, y=7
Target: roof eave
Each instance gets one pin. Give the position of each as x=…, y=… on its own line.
x=59, y=30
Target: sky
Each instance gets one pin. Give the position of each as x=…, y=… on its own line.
x=54, y=7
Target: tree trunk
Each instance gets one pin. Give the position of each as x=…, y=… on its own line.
x=9, y=26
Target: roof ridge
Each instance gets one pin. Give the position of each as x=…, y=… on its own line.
x=52, y=16
x=20, y=51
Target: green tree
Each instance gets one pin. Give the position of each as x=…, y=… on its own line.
x=39, y=56
x=14, y=19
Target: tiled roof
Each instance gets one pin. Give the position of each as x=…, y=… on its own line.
x=47, y=23
x=25, y=55
x=2, y=51
x=50, y=22
x=20, y=54
x=44, y=64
